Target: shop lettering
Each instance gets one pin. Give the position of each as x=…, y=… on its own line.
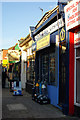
x=68, y=9
x=73, y=16
x=77, y=39
x=71, y=22
x=53, y=27
x=77, y=2
x=74, y=10
x=72, y=6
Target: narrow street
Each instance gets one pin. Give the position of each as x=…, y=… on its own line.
x=25, y=107
x=40, y=60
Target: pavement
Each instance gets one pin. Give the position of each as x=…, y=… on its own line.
x=23, y=107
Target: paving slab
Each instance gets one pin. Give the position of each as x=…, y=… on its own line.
x=23, y=107
x=16, y=107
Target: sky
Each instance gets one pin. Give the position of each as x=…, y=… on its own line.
x=17, y=17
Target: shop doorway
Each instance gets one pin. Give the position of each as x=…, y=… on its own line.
x=62, y=74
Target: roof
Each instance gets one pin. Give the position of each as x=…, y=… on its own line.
x=26, y=39
x=46, y=16
x=13, y=47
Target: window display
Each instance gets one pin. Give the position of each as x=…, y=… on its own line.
x=78, y=75
x=45, y=59
x=30, y=70
x=47, y=66
x=52, y=68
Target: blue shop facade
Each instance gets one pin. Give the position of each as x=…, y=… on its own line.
x=51, y=59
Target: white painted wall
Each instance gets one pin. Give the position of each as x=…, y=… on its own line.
x=23, y=69
x=0, y=56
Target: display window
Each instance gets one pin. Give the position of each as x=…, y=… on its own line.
x=77, y=67
x=52, y=68
x=46, y=65
x=30, y=70
x=77, y=75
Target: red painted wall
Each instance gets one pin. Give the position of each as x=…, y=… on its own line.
x=71, y=73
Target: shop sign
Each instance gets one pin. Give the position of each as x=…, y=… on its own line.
x=53, y=27
x=72, y=14
x=62, y=35
x=13, y=55
x=77, y=38
x=4, y=63
x=34, y=46
x=44, y=42
x=30, y=43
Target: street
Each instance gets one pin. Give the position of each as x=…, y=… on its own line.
x=24, y=107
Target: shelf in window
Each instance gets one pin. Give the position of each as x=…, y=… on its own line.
x=77, y=57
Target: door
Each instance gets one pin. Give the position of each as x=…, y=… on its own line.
x=62, y=74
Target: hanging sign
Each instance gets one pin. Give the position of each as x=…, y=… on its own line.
x=72, y=14
x=4, y=62
x=13, y=55
x=62, y=35
x=44, y=42
x=34, y=46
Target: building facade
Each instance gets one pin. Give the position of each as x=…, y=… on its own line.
x=51, y=58
x=27, y=60
x=72, y=20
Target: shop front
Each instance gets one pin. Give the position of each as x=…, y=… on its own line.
x=72, y=13
x=50, y=64
x=30, y=74
x=14, y=70
x=77, y=72
x=30, y=63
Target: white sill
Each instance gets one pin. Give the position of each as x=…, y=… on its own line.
x=77, y=104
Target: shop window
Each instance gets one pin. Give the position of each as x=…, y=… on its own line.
x=78, y=75
x=45, y=59
x=78, y=80
x=46, y=65
x=52, y=68
x=78, y=52
x=30, y=70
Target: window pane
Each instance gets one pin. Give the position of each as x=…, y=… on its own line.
x=45, y=60
x=78, y=52
x=52, y=69
x=30, y=71
x=78, y=80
